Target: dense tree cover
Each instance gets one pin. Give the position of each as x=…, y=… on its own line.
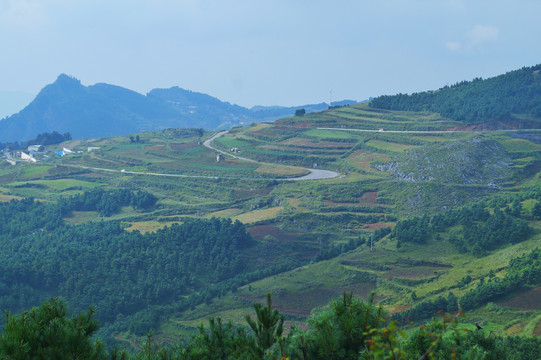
x=334, y=250
x=42, y=139
x=427, y=309
x=102, y=264
x=107, y=203
x=480, y=230
x=14, y=145
x=348, y=329
x=523, y=271
x=497, y=230
x=22, y=217
x=49, y=138
x=143, y=321
x=516, y=92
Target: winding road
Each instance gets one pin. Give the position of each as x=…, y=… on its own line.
x=315, y=174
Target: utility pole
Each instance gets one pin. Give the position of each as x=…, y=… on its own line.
x=371, y=241
x=330, y=97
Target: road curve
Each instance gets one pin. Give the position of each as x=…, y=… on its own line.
x=315, y=174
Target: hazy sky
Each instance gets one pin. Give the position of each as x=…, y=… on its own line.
x=275, y=52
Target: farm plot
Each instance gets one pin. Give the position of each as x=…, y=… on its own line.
x=529, y=300
x=389, y=146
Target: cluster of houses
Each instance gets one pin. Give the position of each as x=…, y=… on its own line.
x=34, y=153
x=220, y=157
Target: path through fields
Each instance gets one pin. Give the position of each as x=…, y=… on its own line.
x=315, y=174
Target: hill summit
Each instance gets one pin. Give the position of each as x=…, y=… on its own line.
x=103, y=110
x=511, y=97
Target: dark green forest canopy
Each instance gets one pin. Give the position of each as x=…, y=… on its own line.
x=497, y=98
x=102, y=264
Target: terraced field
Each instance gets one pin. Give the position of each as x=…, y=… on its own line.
x=385, y=176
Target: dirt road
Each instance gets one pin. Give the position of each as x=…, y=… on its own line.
x=315, y=174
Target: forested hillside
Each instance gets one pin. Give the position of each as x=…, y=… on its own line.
x=497, y=98
x=160, y=233
x=100, y=263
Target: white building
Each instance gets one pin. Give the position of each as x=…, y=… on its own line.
x=35, y=148
x=27, y=157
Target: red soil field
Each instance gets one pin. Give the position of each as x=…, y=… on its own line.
x=260, y=231
x=378, y=225
x=530, y=300
x=183, y=146
x=162, y=149
x=368, y=198
x=302, y=303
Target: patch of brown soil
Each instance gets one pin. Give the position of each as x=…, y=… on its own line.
x=95, y=175
x=365, y=265
x=265, y=133
x=260, y=231
x=379, y=225
x=413, y=272
x=369, y=198
x=332, y=203
x=286, y=122
x=303, y=303
x=515, y=329
x=246, y=193
x=300, y=149
x=184, y=146
x=537, y=329
x=530, y=300
x=162, y=149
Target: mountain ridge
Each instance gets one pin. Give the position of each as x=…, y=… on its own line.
x=501, y=97
x=102, y=110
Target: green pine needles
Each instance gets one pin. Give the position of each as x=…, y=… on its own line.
x=348, y=329
x=46, y=332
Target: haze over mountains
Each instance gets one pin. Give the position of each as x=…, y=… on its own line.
x=12, y=102
x=108, y=110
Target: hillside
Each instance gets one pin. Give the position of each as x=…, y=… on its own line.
x=107, y=110
x=425, y=216
x=508, y=98
x=310, y=239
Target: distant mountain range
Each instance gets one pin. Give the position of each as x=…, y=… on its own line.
x=104, y=110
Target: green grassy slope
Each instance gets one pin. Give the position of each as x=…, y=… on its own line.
x=385, y=177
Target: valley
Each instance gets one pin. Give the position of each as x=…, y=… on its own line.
x=176, y=226
x=323, y=236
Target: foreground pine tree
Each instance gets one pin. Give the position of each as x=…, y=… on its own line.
x=46, y=332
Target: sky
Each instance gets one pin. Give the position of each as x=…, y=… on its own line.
x=264, y=52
